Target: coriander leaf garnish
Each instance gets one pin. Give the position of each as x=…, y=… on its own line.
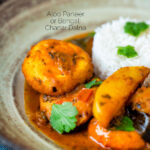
x=91, y=34
x=126, y=124
x=92, y=83
x=63, y=117
x=127, y=51
x=135, y=29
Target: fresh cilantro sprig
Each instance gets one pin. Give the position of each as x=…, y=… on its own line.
x=135, y=29
x=92, y=83
x=127, y=51
x=126, y=124
x=63, y=117
x=91, y=34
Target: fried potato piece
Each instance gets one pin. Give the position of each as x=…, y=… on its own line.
x=81, y=98
x=114, y=139
x=54, y=67
x=114, y=92
x=141, y=100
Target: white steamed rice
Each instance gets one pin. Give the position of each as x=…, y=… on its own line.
x=104, y=51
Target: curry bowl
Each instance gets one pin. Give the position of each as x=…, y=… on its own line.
x=25, y=23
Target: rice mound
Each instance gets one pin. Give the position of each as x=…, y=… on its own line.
x=104, y=51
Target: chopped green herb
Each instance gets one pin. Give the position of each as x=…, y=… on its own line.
x=126, y=124
x=63, y=117
x=91, y=34
x=92, y=83
x=135, y=28
x=127, y=51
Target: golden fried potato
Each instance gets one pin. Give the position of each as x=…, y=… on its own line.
x=54, y=67
x=114, y=92
x=115, y=139
x=141, y=100
x=81, y=98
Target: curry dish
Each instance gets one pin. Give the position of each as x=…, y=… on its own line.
x=109, y=114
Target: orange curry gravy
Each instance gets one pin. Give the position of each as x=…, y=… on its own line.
x=76, y=140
